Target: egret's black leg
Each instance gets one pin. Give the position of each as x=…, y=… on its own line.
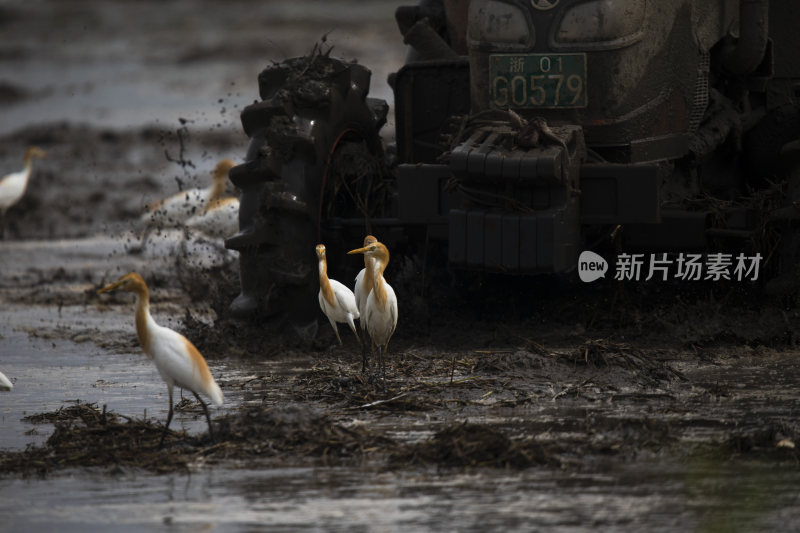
x=169, y=419
x=364, y=358
x=208, y=417
x=382, y=367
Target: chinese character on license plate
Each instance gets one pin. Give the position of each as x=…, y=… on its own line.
x=537, y=80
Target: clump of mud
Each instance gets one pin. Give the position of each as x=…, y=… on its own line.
x=246, y=339
x=295, y=431
x=214, y=286
x=513, y=360
x=11, y=93
x=470, y=444
x=773, y=438
x=606, y=353
x=301, y=80
x=476, y=445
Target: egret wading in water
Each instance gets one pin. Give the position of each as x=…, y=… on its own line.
x=12, y=186
x=380, y=312
x=336, y=301
x=5, y=383
x=362, y=290
x=175, y=357
x=174, y=211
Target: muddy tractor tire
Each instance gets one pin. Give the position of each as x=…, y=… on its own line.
x=312, y=109
x=785, y=223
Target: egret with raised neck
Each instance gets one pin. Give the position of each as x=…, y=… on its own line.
x=336, y=301
x=362, y=289
x=380, y=312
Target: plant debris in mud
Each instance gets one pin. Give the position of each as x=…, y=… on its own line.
x=604, y=353
x=334, y=383
x=300, y=79
x=85, y=436
x=62, y=414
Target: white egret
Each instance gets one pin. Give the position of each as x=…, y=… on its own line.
x=380, y=312
x=336, y=301
x=175, y=210
x=220, y=219
x=5, y=383
x=12, y=186
x=175, y=357
x=362, y=289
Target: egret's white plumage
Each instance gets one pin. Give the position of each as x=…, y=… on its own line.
x=178, y=361
x=362, y=289
x=5, y=383
x=174, y=211
x=380, y=312
x=219, y=220
x=12, y=186
x=336, y=301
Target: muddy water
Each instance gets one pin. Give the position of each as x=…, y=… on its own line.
x=85, y=350
x=644, y=496
x=654, y=457
x=48, y=348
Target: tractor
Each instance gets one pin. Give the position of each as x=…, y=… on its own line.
x=527, y=131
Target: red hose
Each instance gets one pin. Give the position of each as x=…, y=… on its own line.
x=325, y=179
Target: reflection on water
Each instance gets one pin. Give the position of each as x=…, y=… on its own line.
x=638, y=497
x=728, y=496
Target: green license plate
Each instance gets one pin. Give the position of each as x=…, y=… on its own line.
x=537, y=80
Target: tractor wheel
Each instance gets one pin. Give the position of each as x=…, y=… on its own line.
x=785, y=222
x=313, y=113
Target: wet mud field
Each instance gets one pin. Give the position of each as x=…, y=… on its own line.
x=522, y=405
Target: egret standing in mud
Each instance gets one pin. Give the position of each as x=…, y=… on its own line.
x=12, y=186
x=380, y=312
x=5, y=383
x=175, y=357
x=174, y=211
x=336, y=301
x=362, y=290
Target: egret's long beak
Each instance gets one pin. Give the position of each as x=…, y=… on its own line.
x=358, y=251
x=111, y=287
